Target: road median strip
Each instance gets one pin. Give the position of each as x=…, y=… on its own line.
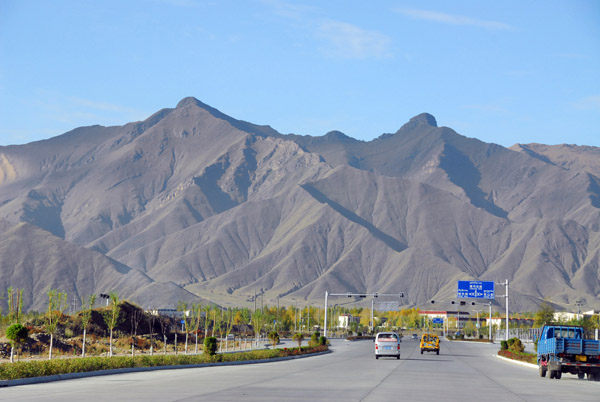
x=94, y=373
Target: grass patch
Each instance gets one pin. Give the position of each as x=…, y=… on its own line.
x=40, y=368
x=521, y=356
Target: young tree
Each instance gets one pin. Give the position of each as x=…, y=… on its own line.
x=196, y=317
x=17, y=334
x=86, y=318
x=136, y=317
x=151, y=319
x=544, y=315
x=258, y=321
x=57, y=303
x=206, y=319
x=274, y=338
x=469, y=328
x=112, y=317
x=298, y=337
x=163, y=320
x=229, y=326
x=183, y=308
x=217, y=320
x=15, y=305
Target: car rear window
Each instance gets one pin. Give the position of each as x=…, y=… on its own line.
x=387, y=338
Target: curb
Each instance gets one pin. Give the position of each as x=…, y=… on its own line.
x=530, y=365
x=72, y=376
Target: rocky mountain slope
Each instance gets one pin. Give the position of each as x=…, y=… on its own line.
x=193, y=203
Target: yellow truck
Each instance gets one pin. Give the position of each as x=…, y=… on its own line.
x=430, y=343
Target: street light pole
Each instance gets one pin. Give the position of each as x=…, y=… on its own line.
x=325, y=320
x=372, y=323
x=490, y=324
x=506, y=310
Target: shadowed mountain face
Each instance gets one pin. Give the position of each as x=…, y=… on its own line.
x=193, y=203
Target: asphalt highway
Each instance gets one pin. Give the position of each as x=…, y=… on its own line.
x=461, y=372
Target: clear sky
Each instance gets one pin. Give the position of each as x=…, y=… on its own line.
x=501, y=71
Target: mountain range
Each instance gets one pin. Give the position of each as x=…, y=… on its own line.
x=191, y=203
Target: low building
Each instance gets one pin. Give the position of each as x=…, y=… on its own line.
x=346, y=319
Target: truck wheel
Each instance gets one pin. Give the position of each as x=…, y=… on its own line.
x=552, y=373
x=437, y=352
x=542, y=371
x=376, y=357
x=398, y=357
x=580, y=375
x=558, y=374
x=421, y=351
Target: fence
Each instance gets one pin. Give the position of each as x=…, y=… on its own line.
x=524, y=334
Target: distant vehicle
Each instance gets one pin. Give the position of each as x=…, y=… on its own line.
x=563, y=349
x=415, y=336
x=387, y=344
x=430, y=343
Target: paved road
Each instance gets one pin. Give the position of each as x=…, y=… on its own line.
x=462, y=372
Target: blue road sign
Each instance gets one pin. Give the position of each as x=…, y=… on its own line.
x=476, y=289
x=438, y=320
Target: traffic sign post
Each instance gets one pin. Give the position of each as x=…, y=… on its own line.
x=476, y=290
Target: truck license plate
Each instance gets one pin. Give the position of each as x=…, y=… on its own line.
x=387, y=347
x=581, y=358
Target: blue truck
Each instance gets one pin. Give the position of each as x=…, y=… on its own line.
x=564, y=349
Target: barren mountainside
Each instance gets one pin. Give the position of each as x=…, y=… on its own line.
x=193, y=203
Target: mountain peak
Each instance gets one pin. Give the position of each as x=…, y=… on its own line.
x=190, y=100
x=423, y=119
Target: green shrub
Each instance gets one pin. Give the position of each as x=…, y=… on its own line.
x=515, y=345
x=17, y=334
x=503, y=345
x=322, y=341
x=210, y=345
x=274, y=338
x=298, y=337
x=314, y=339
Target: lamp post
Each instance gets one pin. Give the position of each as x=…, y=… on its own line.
x=506, y=297
x=579, y=304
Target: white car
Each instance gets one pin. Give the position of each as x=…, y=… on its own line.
x=387, y=344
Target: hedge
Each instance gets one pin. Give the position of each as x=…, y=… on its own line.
x=40, y=368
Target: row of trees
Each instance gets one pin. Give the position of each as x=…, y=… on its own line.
x=207, y=319
x=17, y=333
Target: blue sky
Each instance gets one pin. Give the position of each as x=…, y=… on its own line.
x=501, y=71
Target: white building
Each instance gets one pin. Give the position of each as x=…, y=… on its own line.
x=346, y=319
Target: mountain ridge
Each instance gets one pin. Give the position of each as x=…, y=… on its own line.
x=200, y=204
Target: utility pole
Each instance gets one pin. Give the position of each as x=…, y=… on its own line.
x=506, y=297
x=507, y=309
